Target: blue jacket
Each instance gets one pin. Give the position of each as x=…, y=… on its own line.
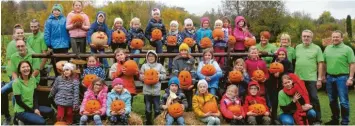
x=188, y=34
x=201, y=33
x=56, y=35
x=178, y=36
x=99, y=27
x=124, y=96
x=213, y=83
x=135, y=33
x=152, y=23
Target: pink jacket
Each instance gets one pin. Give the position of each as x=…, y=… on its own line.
x=77, y=32
x=101, y=97
x=253, y=65
x=226, y=102
x=239, y=34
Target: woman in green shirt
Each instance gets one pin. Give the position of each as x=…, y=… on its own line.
x=285, y=41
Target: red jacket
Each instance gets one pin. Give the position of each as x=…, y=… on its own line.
x=254, y=99
x=225, y=103
x=252, y=65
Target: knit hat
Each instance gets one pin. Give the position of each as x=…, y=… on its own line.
x=155, y=10
x=174, y=80
x=69, y=66
x=117, y=81
x=203, y=19
x=202, y=82
x=188, y=21
x=57, y=7
x=283, y=50
x=175, y=23
x=218, y=22
x=184, y=46
x=117, y=20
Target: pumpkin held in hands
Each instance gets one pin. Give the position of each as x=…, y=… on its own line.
x=235, y=109
x=259, y=109
x=87, y=81
x=258, y=75
x=185, y=79
x=249, y=42
x=131, y=67
x=117, y=105
x=172, y=40
x=208, y=70
x=206, y=43
x=210, y=107
x=175, y=110
x=151, y=77
x=217, y=34
x=118, y=36
x=189, y=41
x=235, y=76
x=137, y=44
x=92, y=106
x=276, y=67
x=156, y=34
x=99, y=39
x=77, y=18
x=231, y=40
x=59, y=65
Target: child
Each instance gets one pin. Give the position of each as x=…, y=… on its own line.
x=254, y=97
x=189, y=32
x=99, y=25
x=135, y=31
x=118, y=26
x=172, y=95
x=265, y=47
x=94, y=68
x=214, y=79
x=241, y=33
x=227, y=26
x=219, y=45
x=228, y=99
x=97, y=91
x=121, y=93
x=200, y=99
x=173, y=48
x=66, y=93
x=242, y=86
x=204, y=31
x=152, y=92
x=184, y=61
x=156, y=23
x=78, y=30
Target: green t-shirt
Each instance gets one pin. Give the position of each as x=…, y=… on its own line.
x=26, y=92
x=284, y=100
x=36, y=42
x=270, y=48
x=10, y=50
x=338, y=58
x=307, y=59
x=290, y=53
x=16, y=59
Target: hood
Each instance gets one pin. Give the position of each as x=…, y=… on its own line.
x=58, y=7
x=100, y=13
x=279, y=50
x=151, y=52
x=251, y=83
x=174, y=80
x=238, y=19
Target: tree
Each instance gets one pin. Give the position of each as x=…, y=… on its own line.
x=326, y=17
x=349, y=27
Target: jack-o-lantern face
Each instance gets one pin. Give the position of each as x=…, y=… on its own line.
x=118, y=36
x=259, y=109
x=99, y=39
x=117, y=105
x=175, y=110
x=208, y=70
x=218, y=34
x=258, y=75
x=151, y=77
x=205, y=42
x=231, y=40
x=210, y=107
x=249, y=42
x=59, y=65
x=276, y=67
x=172, y=40
x=92, y=106
x=189, y=41
x=77, y=18
x=185, y=79
x=131, y=67
x=235, y=109
x=157, y=34
x=235, y=76
x=137, y=44
x=87, y=81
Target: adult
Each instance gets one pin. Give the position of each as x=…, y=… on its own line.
x=308, y=57
x=265, y=47
x=340, y=67
x=285, y=41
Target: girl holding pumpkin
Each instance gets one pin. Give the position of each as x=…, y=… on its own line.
x=204, y=31
x=118, y=27
x=220, y=44
x=241, y=33
x=173, y=40
x=97, y=91
x=151, y=73
x=173, y=95
x=65, y=91
x=243, y=84
x=189, y=32
x=205, y=105
x=92, y=67
x=118, y=103
x=135, y=33
x=231, y=106
x=209, y=70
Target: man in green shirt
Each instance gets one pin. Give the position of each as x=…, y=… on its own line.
x=340, y=67
x=265, y=47
x=36, y=41
x=309, y=59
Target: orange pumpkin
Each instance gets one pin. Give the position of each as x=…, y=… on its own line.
x=131, y=67
x=87, y=81
x=210, y=107
x=156, y=34
x=117, y=105
x=235, y=76
x=185, y=79
x=249, y=42
x=189, y=41
x=118, y=36
x=59, y=65
x=208, y=70
x=172, y=39
x=151, y=77
x=61, y=123
x=92, y=105
x=276, y=67
x=217, y=34
x=175, y=110
x=235, y=109
x=77, y=18
x=137, y=44
x=99, y=39
x=259, y=109
x=258, y=75
x=206, y=43
x=231, y=40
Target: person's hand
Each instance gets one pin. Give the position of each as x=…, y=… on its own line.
x=183, y=107
x=162, y=38
x=97, y=112
x=305, y=108
x=296, y=97
x=114, y=113
x=324, y=79
x=208, y=79
x=93, y=46
x=251, y=113
x=207, y=114
x=277, y=74
x=239, y=117
x=142, y=77
x=215, y=114
x=123, y=70
x=349, y=82
x=267, y=113
x=263, y=80
x=151, y=39
x=121, y=112
x=164, y=107
x=86, y=113
x=38, y=112
x=319, y=84
x=191, y=86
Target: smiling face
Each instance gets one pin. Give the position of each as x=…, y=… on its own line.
x=67, y=73
x=263, y=40
x=21, y=47
x=232, y=92
x=118, y=24
x=206, y=24
x=151, y=58
x=101, y=19
x=25, y=69
x=77, y=7
x=337, y=38
x=136, y=25
x=281, y=56
x=307, y=37
x=183, y=53
x=118, y=88
x=241, y=23
x=91, y=61
x=287, y=83
x=284, y=42
x=218, y=26
x=202, y=88
x=188, y=26
x=34, y=27
x=173, y=27
x=19, y=34
x=254, y=54
x=207, y=56
x=98, y=86
x=56, y=13
x=120, y=56
x=239, y=66
x=156, y=16
x=253, y=90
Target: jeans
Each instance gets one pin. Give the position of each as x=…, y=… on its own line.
x=213, y=91
x=312, y=92
x=135, y=51
x=5, y=91
x=85, y=118
x=170, y=120
x=150, y=100
x=29, y=118
x=102, y=60
x=211, y=120
x=336, y=87
x=119, y=120
x=78, y=45
x=287, y=119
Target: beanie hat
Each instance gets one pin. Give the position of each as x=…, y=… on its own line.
x=117, y=20
x=202, y=82
x=184, y=46
x=188, y=21
x=117, y=81
x=175, y=23
x=203, y=19
x=57, y=7
x=218, y=22
x=155, y=10
x=283, y=50
x=174, y=80
x=69, y=66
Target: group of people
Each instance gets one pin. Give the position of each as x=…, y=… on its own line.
x=293, y=91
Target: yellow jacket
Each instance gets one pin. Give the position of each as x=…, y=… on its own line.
x=199, y=100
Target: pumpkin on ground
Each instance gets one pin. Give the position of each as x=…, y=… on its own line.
x=235, y=76
x=99, y=39
x=258, y=75
x=137, y=44
x=172, y=39
x=59, y=65
x=235, y=109
x=189, y=41
x=118, y=36
x=217, y=34
x=175, y=110
x=249, y=42
x=92, y=106
x=151, y=77
x=276, y=67
x=208, y=70
x=259, y=109
x=231, y=40
x=156, y=34
x=117, y=105
x=185, y=79
x=87, y=81
x=131, y=67
x=206, y=43
x=210, y=107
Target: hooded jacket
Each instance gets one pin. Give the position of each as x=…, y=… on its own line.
x=125, y=96
x=254, y=99
x=153, y=89
x=96, y=26
x=213, y=83
x=239, y=34
x=226, y=102
x=77, y=32
x=152, y=24
x=201, y=33
x=90, y=95
x=198, y=100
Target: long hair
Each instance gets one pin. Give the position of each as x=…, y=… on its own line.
x=19, y=68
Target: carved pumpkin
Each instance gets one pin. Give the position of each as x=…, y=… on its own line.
x=189, y=41
x=235, y=76
x=118, y=36
x=59, y=65
x=99, y=39
x=217, y=33
x=258, y=75
x=61, y=123
x=235, y=109
x=175, y=110
x=87, y=81
x=208, y=70
x=151, y=77
x=137, y=44
x=77, y=18
x=171, y=39
x=92, y=106
x=231, y=40
x=117, y=105
x=259, y=109
x=205, y=42
x=249, y=42
x=276, y=67
x=185, y=79
x=131, y=67
x=210, y=107
x=156, y=34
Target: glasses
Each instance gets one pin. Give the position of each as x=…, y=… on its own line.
x=306, y=36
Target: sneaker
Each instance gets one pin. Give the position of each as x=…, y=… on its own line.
x=332, y=122
x=7, y=121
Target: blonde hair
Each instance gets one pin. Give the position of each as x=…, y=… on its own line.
x=79, y=2
x=135, y=20
x=218, y=22
x=286, y=77
x=208, y=50
x=119, y=50
x=286, y=36
x=239, y=60
x=232, y=86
